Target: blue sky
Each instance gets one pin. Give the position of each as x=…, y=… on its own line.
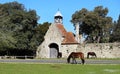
x=47, y=8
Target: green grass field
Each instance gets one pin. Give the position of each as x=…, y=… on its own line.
x=22, y=68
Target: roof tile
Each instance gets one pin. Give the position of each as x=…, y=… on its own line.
x=68, y=36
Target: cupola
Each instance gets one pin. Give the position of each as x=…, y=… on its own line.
x=58, y=18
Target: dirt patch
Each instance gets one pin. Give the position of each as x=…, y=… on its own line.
x=55, y=66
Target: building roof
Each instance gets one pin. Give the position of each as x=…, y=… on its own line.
x=69, y=39
x=68, y=36
x=58, y=14
x=61, y=29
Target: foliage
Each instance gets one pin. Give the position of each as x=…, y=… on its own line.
x=95, y=24
x=27, y=22
x=19, y=29
x=6, y=40
x=115, y=37
x=41, y=30
x=39, y=34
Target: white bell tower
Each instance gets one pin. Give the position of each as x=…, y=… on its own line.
x=58, y=18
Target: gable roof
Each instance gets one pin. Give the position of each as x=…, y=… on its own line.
x=61, y=29
x=68, y=36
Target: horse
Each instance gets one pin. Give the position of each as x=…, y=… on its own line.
x=74, y=55
x=59, y=55
x=92, y=54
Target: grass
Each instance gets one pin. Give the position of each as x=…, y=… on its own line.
x=22, y=68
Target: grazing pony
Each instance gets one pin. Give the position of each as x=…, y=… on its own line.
x=91, y=54
x=74, y=55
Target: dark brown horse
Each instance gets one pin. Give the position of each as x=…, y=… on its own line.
x=93, y=54
x=75, y=55
x=59, y=55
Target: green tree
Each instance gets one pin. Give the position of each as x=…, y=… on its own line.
x=26, y=22
x=16, y=26
x=115, y=37
x=39, y=34
x=7, y=39
x=20, y=34
x=95, y=24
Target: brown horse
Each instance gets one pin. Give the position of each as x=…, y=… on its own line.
x=91, y=54
x=74, y=55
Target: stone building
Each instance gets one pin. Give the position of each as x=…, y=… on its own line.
x=57, y=40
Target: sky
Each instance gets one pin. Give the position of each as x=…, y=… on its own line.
x=46, y=9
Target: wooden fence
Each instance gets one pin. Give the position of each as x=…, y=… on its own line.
x=17, y=57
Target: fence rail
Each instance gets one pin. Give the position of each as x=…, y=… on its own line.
x=17, y=57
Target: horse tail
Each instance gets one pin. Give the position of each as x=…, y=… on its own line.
x=68, y=59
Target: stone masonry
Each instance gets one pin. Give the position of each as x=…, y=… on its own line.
x=102, y=50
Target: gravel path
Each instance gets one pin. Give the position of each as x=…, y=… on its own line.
x=61, y=61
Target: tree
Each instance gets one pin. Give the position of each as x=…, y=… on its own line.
x=7, y=39
x=26, y=22
x=115, y=37
x=95, y=24
x=20, y=34
x=16, y=27
x=39, y=34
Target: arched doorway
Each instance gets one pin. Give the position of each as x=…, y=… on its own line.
x=54, y=49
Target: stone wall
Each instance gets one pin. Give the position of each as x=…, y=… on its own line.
x=52, y=36
x=102, y=50
x=67, y=49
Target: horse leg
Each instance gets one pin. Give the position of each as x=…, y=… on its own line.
x=88, y=56
x=95, y=56
x=83, y=61
x=72, y=60
x=75, y=61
